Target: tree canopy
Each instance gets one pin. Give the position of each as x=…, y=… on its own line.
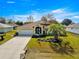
x=19, y=23
x=57, y=29
x=66, y=22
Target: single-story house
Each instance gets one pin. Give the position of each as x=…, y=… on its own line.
x=5, y=28
x=73, y=28
x=34, y=28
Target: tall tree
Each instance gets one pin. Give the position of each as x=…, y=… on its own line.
x=44, y=19
x=44, y=23
x=19, y=23
x=51, y=18
x=30, y=18
x=66, y=22
x=10, y=21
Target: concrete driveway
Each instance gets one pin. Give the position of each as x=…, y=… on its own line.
x=13, y=48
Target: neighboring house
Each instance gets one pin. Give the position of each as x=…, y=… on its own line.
x=5, y=28
x=73, y=28
x=35, y=28
x=2, y=20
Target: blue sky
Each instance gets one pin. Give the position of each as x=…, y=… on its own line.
x=20, y=9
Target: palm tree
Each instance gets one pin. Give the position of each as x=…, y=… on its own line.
x=56, y=29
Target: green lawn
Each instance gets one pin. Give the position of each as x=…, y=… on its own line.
x=48, y=52
x=8, y=36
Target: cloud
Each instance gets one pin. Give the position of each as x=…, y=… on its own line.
x=11, y=2
x=36, y=15
x=76, y=17
x=18, y=17
x=62, y=13
x=58, y=11
x=23, y=18
x=59, y=14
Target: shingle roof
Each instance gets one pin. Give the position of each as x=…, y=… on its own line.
x=74, y=25
x=13, y=24
x=27, y=26
x=31, y=25
x=4, y=25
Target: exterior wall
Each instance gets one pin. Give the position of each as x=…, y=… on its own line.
x=25, y=32
x=6, y=29
x=30, y=31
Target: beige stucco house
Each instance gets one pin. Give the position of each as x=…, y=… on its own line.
x=34, y=28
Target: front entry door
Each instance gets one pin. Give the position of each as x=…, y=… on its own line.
x=38, y=30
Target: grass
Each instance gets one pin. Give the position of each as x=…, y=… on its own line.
x=34, y=43
x=49, y=53
x=8, y=36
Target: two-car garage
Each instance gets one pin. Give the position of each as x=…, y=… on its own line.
x=25, y=32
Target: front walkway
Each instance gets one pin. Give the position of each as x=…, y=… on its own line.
x=13, y=48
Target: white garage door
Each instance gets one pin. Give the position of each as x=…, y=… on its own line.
x=25, y=32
